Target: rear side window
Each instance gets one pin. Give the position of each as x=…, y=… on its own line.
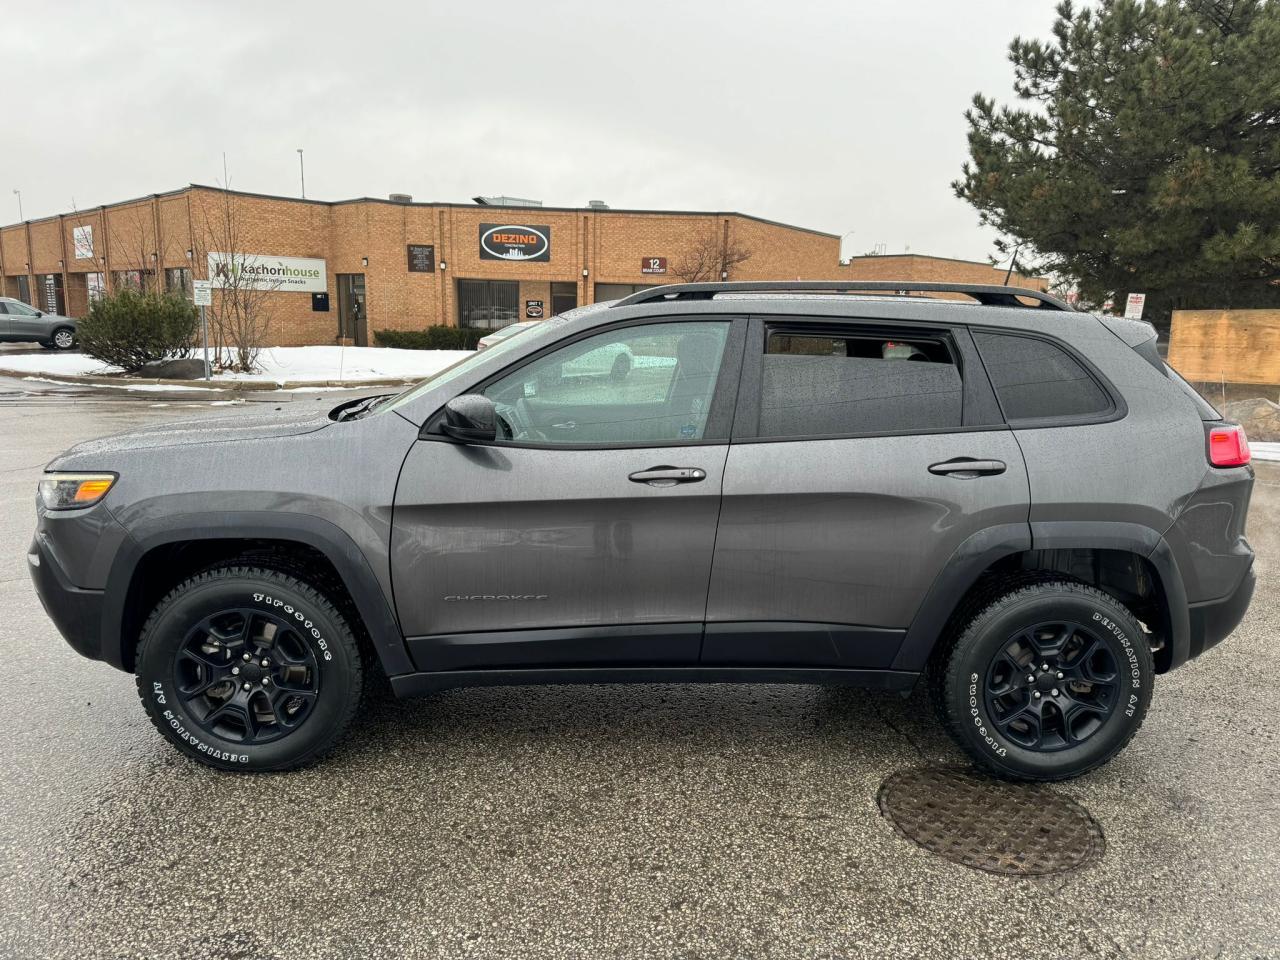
x=1037, y=380
x=818, y=384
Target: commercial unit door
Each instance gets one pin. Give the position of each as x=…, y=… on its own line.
x=353, y=321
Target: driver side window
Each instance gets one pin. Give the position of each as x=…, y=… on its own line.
x=643, y=384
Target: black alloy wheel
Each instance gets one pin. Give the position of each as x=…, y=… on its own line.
x=1052, y=686
x=247, y=676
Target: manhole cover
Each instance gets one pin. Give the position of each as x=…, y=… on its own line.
x=1024, y=831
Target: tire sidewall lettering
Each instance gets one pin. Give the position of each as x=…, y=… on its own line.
x=981, y=727
x=1130, y=657
x=180, y=730
x=305, y=624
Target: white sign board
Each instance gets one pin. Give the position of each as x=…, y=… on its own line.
x=202, y=292
x=82, y=240
x=260, y=271
x=1133, y=306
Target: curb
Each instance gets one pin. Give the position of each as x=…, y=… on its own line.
x=225, y=386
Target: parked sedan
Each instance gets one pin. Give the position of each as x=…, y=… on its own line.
x=20, y=323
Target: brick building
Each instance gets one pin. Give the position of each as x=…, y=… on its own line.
x=346, y=269
x=915, y=266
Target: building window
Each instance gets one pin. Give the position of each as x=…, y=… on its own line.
x=488, y=304
x=23, y=288
x=49, y=286
x=97, y=284
x=138, y=279
x=178, y=280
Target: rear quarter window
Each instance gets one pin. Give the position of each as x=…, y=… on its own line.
x=1035, y=379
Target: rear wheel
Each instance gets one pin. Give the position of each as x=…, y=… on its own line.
x=248, y=668
x=1046, y=682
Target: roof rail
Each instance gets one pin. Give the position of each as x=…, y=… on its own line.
x=988, y=295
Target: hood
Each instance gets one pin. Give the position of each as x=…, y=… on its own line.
x=239, y=428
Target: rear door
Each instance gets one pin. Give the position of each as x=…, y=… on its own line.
x=863, y=455
x=4, y=320
x=584, y=535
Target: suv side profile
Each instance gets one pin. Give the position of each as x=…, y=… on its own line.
x=22, y=323
x=1016, y=502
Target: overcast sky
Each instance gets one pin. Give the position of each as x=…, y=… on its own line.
x=837, y=116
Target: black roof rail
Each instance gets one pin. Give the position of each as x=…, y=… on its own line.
x=989, y=295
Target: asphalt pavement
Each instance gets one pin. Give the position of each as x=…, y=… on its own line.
x=664, y=821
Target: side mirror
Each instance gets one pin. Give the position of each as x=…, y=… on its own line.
x=471, y=418
x=39, y=314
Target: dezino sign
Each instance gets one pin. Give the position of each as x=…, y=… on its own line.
x=259, y=271
x=504, y=241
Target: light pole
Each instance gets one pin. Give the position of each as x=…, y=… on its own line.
x=18, y=194
x=302, y=173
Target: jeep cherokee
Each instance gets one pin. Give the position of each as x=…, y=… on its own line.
x=790, y=482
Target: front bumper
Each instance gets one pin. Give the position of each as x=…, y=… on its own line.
x=1213, y=621
x=76, y=612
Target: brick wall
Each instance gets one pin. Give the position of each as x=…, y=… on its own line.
x=155, y=233
x=934, y=269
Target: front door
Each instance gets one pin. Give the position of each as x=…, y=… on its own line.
x=584, y=535
x=353, y=321
x=863, y=457
x=564, y=297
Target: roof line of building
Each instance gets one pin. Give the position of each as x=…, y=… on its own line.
x=927, y=256
x=526, y=212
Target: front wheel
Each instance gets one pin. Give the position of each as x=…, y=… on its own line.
x=247, y=668
x=1046, y=682
x=64, y=338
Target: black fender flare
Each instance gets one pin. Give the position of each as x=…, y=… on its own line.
x=328, y=538
x=980, y=550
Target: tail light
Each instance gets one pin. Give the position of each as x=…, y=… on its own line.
x=1228, y=446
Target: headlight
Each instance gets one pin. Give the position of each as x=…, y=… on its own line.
x=63, y=491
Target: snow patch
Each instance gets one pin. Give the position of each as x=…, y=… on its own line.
x=353, y=365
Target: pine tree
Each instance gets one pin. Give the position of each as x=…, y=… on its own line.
x=1147, y=156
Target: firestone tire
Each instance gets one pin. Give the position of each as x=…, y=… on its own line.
x=248, y=668
x=1047, y=682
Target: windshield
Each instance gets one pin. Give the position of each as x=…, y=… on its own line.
x=453, y=372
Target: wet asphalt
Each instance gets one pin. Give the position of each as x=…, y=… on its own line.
x=650, y=821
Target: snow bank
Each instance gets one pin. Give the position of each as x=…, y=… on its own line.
x=279, y=364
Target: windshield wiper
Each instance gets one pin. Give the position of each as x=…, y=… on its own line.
x=361, y=407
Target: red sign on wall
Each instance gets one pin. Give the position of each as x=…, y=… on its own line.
x=653, y=265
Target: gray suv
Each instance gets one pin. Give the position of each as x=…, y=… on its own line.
x=22, y=323
x=1016, y=503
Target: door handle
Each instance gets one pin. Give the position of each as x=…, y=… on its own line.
x=665, y=476
x=966, y=468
